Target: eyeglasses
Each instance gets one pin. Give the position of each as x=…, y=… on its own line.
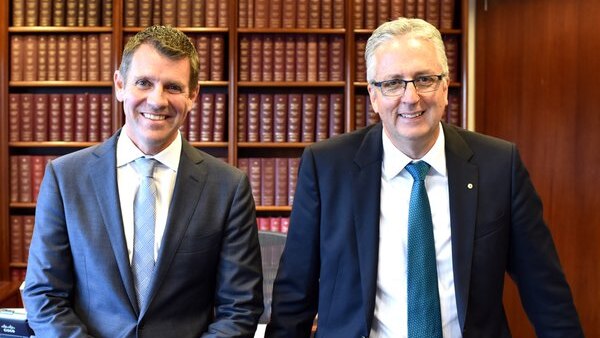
x=397, y=87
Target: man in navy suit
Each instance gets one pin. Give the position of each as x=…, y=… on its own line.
x=346, y=253
x=207, y=278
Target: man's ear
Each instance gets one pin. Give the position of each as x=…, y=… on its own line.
x=119, y=82
x=193, y=96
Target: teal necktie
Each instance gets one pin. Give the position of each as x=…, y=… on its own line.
x=424, y=318
x=144, y=215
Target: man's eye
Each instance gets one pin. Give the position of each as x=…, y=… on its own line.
x=391, y=84
x=142, y=83
x=424, y=80
x=174, y=89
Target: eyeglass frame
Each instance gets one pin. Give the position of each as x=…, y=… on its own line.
x=406, y=82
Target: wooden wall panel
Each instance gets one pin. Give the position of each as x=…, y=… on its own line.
x=537, y=84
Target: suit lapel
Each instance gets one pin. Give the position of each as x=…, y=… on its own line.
x=463, y=185
x=191, y=178
x=366, y=182
x=103, y=175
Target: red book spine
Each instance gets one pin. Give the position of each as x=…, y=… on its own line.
x=267, y=181
x=242, y=117
x=285, y=225
x=93, y=57
x=203, y=49
x=52, y=58
x=263, y=223
x=255, y=173
x=370, y=8
x=446, y=14
x=81, y=117
x=294, y=117
x=62, y=59
x=280, y=118
x=383, y=11
x=105, y=116
x=326, y=14
x=194, y=121
x=293, y=164
x=243, y=165
x=184, y=13
x=42, y=61
x=30, y=61
x=267, y=58
x=302, y=13
x=38, y=164
x=358, y=15
x=309, y=112
x=217, y=55
x=336, y=58
x=397, y=8
x=421, y=5
x=68, y=117
x=451, y=46
x=275, y=224
x=40, y=118
x=220, y=115
x=410, y=9
x=322, y=117
x=244, y=61
x=266, y=118
x=336, y=118
x=253, y=117
x=261, y=10
x=281, y=181
x=17, y=53
x=211, y=10
x=312, y=59
x=323, y=58
x=290, y=58
x=207, y=108
x=432, y=12
x=314, y=13
x=256, y=58
x=278, y=58
x=27, y=117
x=14, y=184
x=54, y=117
x=275, y=14
x=289, y=14
x=14, y=114
x=106, y=69
x=338, y=13
x=28, y=223
x=453, y=110
x=93, y=118
x=243, y=13
x=25, y=179
x=74, y=57
x=301, y=58
x=360, y=112
x=83, y=70
x=16, y=239
x=361, y=65
x=169, y=10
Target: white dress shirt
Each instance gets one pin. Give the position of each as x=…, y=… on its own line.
x=165, y=173
x=390, y=318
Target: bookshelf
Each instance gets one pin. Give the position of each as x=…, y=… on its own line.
x=277, y=75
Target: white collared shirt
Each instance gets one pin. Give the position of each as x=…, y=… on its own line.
x=128, y=180
x=390, y=318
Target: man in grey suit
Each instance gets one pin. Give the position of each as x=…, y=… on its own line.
x=206, y=279
x=349, y=246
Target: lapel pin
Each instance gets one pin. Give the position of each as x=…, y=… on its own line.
x=469, y=186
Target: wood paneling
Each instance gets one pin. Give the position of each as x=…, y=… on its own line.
x=537, y=84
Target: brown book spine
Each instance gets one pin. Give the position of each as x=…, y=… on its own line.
x=266, y=118
x=217, y=53
x=432, y=12
x=157, y=12
x=211, y=19
x=301, y=58
x=27, y=117
x=288, y=14
x=253, y=117
x=410, y=8
x=16, y=239
x=267, y=58
x=38, y=164
x=275, y=13
x=40, y=117
x=360, y=111
x=327, y=14
x=314, y=13
x=338, y=13
x=93, y=57
x=446, y=14
x=358, y=14
x=93, y=117
x=92, y=14
x=105, y=116
x=81, y=9
x=107, y=13
x=51, y=64
x=267, y=185
x=13, y=182
x=421, y=8
x=309, y=112
x=451, y=46
x=302, y=13
x=293, y=164
x=290, y=58
x=370, y=8
x=31, y=13
x=397, y=8
x=17, y=53
x=143, y=15
x=220, y=120
x=250, y=13
x=204, y=55
x=361, y=65
x=372, y=116
x=255, y=173
x=243, y=13
x=194, y=121
x=256, y=57
x=453, y=110
x=42, y=61
x=198, y=14
x=71, y=13
x=294, y=124
x=54, y=117
x=323, y=58
x=207, y=110
x=184, y=10
x=223, y=14
x=18, y=13
x=336, y=117
x=261, y=11
x=25, y=182
x=81, y=117
x=83, y=71
x=74, y=58
x=280, y=117
x=62, y=58
x=322, y=117
x=242, y=117
x=281, y=181
x=14, y=114
x=312, y=58
x=169, y=10
x=383, y=11
x=244, y=58
x=30, y=60
x=243, y=165
x=28, y=224
x=336, y=58
x=68, y=117
x=278, y=58
x=106, y=70
x=131, y=13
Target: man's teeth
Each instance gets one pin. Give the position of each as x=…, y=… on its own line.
x=413, y=115
x=154, y=117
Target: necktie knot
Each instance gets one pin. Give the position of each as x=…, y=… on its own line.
x=418, y=170
x=144, y=166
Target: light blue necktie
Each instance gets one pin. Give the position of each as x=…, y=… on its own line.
x=144, y=217
x=424, y=318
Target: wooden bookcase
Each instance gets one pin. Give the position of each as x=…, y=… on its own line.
x=232, y=148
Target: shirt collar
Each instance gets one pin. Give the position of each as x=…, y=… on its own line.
x=394, y=160
x=127, y=152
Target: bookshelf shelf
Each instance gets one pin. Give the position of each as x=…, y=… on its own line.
x=59, y=29
x=292, y=30
x=291, y=84
x=60, y=84
x=273, y=144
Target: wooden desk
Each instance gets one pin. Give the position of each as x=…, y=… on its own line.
x=9, y=294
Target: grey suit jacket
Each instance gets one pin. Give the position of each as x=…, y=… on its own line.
x=207, y=280
x=329, y=264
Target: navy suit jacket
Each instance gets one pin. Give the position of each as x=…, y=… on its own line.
x=207, y=280
x=330, y=260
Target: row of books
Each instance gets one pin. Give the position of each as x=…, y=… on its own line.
x=61, y=57
x=291, y=117
x=273, y=223
x=70, y=13
x=289, y=57
x=21, y=230
x=452, y=54
x=81, y=117
x=273, y=179
x=26, y=174
x=291, y=13
x=207, y=120
x=368, y=14
x=180, y=13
